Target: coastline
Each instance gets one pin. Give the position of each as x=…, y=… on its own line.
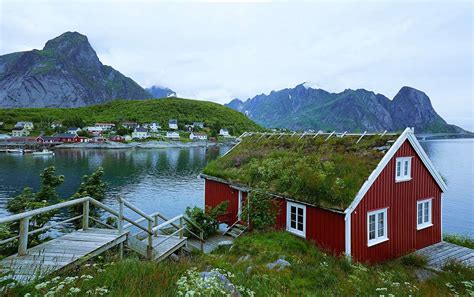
x=154, y=144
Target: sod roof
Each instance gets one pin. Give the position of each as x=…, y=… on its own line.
x=311, y=169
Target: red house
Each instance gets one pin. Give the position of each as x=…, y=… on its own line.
x=370, y=197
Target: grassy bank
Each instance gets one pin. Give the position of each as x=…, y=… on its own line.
x=312, y=272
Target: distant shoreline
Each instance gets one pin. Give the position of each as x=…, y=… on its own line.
x=155, y=144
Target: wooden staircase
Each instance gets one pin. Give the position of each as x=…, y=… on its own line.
x=155, y=241
x=236, y=230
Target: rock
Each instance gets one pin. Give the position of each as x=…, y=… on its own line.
x=228, y=286
x=249, y=269
x=174, y=257
x=243, y=258
x=423, y=274
x=279, y=264
x=225, y=243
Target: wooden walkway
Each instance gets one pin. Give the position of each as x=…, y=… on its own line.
x=211, y=243
x=70, y=249
x=441, y=253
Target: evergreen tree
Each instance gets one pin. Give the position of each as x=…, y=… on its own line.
x=92, y=185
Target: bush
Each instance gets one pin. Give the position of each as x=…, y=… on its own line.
x=460, y=240
x=414, y=260
x=260, y=209
x=206, y=220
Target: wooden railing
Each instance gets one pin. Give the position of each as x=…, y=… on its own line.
x=150, y=230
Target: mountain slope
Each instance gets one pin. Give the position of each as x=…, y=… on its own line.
x=161, y=92
x=65, y=73
x=142, y=111
x=303, y=108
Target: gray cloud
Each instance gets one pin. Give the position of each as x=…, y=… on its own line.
x=218, y=51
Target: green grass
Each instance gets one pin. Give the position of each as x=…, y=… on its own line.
x=142, y=111
x=459, y=240
x=312, y=272
x=325, y=173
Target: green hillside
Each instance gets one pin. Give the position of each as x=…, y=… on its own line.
x=142, y=111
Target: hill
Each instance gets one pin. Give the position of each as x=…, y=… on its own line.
x=157, y=110
x=65, y=73
x=303, y=107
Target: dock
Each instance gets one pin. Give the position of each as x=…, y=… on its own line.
x=441, y=253
x=154, y=236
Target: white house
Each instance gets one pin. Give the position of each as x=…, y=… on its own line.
x=26, y=125
x=73, y=130
x=140, y=133
x=172, y=135
x=198, y=125
x=154, y=127
x=56, y=124
x=224, y=132
x=129, y=125
x=94, y=130
x=20, y=132
x=105, y=126
x=198, y=136
x=173, y=124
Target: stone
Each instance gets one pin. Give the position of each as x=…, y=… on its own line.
x=225, y=243
x=228, y=286
x=243, y=258
x=424, y=274
x=279, y=264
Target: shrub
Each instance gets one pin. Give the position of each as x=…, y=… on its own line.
x=206, y=220
x=460, y=240
x=414, y=260
x=260, y=209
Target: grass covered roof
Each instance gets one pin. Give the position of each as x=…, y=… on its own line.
x=327, y=173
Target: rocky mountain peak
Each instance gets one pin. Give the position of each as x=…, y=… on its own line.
x=72, y=45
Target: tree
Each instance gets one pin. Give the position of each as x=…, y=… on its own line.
x=260, y=210
x=92, y=185
x=49, y=182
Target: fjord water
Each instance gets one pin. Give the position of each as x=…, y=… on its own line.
x=166, y=180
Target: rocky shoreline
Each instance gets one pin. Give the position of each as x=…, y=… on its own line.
x=155, y=144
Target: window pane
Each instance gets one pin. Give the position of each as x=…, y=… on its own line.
x=300, y=211
x=371, y=226
x=381, y=225
x=300, y=226
x=293, y=224
x=420, y=213
x=405, y=170
x=293, y=210
x=426, y=212
x=372, y=234
x=399, y=165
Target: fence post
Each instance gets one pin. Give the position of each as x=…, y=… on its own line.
x=181, y=224
x=85, y=215
x=149, y=248
x=120, y=225
x=201, y=235
x=23, y=239
x=156, y=223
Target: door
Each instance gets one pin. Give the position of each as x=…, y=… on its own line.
x=239, y=206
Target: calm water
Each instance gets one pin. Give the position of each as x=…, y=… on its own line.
x=166, y=180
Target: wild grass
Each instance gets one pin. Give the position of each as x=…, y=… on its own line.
x=461, y=240
x=312, y=272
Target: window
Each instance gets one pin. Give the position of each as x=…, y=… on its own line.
x=377, y=227
x=296, y=218
x=403, y=169
x=423, y=211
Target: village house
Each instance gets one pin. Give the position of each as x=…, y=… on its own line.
x=173, y=124
x=198, y=136
x=140, y=133
x=117, y=138
x=153, y=127
x=172, y=135
x=73, y=130
x=96, y=131
x=105, y=126
x=370, y=197
x=66, y=137
x=56, y=124
x=20, y=131
x=224, y=132
x=25, y=125
x=129, y=124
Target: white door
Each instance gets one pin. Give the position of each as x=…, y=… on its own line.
x=239, y=212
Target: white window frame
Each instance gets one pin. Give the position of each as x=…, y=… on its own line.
x=424, y=224
x=377, y=239
x=403, y=167
x=295, y=231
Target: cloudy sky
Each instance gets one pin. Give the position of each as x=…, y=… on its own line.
x=218, y=51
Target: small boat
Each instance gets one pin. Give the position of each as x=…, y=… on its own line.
x=16, y=151
x=44, y=152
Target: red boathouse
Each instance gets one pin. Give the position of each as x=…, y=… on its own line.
x=371, y=197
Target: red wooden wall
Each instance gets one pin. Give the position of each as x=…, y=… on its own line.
x=216, y=193
x=400, y=198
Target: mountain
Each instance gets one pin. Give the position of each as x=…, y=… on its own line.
x=161, y=92
x=143, y=111
x=65, y=73
x=302, y=108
